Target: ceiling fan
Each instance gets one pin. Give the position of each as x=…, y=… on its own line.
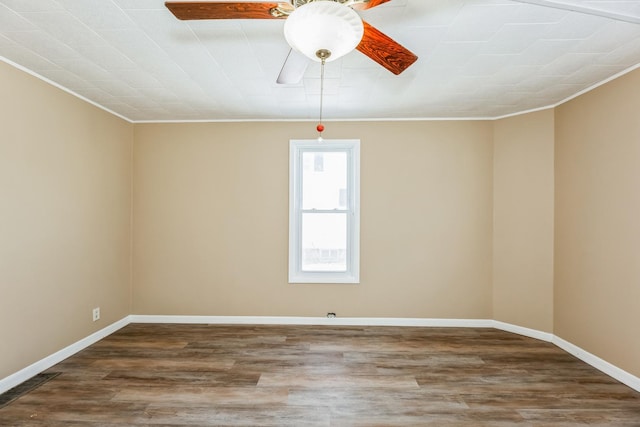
x=368, y=40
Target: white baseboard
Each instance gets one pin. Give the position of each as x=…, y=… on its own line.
x=602, y=365
x=520, y=330
x=335, y=321
x=42, y=365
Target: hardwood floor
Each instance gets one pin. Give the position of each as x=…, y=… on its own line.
x=212, y=375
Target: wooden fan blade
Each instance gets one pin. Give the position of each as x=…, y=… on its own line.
x=218, y=10
x=368, y=4
x=293, y=69
x=385, y=51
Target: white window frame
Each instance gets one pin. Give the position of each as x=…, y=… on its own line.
x=296, y=149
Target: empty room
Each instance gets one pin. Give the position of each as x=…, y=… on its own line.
x=323, y=213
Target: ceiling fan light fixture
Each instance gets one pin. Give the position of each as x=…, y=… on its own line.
x=323, y=25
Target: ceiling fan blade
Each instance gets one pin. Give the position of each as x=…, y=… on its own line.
x=368, y=4
x=293, y=68
x=385, y=51
x=225, y=10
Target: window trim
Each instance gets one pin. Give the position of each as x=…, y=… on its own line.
x=296, y=149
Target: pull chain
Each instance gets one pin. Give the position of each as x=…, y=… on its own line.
x=321, y=93
x=323, y=54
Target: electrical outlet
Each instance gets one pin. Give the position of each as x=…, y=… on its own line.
x=96, y=314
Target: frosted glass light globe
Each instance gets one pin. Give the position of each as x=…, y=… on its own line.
x=323, y=25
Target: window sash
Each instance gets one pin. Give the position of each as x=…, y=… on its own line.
x=328, y=257
x=296, y=272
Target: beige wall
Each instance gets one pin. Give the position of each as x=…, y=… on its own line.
x=523, y=171
x=597, y=222
x=211, y=212
x=64, y=219
x=456, y=220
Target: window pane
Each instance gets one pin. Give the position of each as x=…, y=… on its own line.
x=324, y=180
x=324, y=242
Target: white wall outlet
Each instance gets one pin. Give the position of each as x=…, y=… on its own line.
x=96, y=314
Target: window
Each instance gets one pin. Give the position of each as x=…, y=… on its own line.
x=324, y=219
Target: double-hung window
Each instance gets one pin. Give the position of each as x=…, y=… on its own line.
x=324, y=220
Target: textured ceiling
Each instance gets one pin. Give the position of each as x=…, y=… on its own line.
x=477, y=58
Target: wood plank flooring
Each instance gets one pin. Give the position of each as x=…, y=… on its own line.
x=219, y=375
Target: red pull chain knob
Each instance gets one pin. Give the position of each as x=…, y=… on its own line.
x=320, y=127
